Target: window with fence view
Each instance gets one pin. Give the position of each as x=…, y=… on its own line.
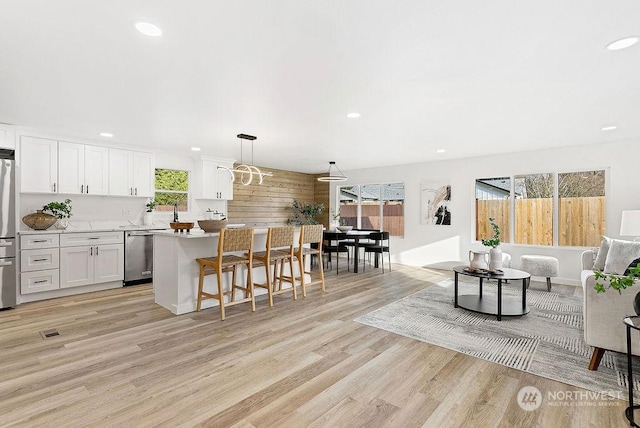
x=529, y=201
x=373, y=206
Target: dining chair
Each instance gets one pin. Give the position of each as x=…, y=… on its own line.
x=335, y=244
x=379, y=248
x=230, y=240
x=362, y=243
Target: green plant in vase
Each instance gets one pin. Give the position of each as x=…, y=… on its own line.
x=61, y=211
x=495, y=253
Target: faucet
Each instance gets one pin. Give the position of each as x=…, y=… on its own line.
x=175, y=213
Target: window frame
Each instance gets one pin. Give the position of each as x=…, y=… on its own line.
x=381, y=201
x=556, y=206
x=187, y=192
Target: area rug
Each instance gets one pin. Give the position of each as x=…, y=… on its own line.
x=547, y=342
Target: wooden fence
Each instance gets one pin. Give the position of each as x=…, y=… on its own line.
x=393, y=215
x=580, y=220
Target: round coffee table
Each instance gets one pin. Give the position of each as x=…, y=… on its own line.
x=491, y=305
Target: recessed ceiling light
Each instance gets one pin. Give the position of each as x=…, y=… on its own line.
x=609, y=128
x=195, y=149
x=622, y=43
x=440, y=151
x=353, y=115
x=106, y=134
x=148, y=29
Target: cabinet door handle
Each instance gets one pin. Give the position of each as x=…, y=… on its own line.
x=131, y=191
x=91, y=251
x=40, y=281
x=54, y=187
x=87, y=189
x=96, y=251
x=94, y=237
x=40, y=260
x=39, y=240
x=82, y=188
x=136, y=191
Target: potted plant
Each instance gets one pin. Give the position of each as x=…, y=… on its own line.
x=147, y=220
x=619, y=283
x=495, y=253
x=61, y=211
x=305, y=213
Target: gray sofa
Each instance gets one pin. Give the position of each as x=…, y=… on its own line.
x=603, y=314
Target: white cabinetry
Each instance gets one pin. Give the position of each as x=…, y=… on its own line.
x=131, y=173
x=38, y=165
x=83, y=169
x=7, y=136
x=39, y=263
x=216, y=182
x=91, y=258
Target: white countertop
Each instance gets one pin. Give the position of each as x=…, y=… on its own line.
x=199, y=233
x=96, y=226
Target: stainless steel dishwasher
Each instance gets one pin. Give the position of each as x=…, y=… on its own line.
x=138, y=257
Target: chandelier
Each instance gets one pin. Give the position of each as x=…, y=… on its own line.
x=333, y=177
x=246, y=171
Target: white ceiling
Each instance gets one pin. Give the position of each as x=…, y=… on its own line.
x=472, y=77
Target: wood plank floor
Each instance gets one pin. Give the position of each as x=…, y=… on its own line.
x=121, y=360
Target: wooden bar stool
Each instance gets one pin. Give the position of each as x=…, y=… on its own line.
x=229, y=240
x=310, y=234
x=278, y=253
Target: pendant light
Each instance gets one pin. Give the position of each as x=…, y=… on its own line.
x=333, y=177
x=246, y=171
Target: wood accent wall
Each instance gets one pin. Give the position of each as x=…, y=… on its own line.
x=269, y=204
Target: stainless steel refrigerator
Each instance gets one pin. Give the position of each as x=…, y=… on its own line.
x=8, y=277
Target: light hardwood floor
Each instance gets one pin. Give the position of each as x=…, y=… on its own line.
x=121, y=360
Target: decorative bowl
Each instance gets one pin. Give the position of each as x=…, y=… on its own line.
x=181, y=226
x=39, y=220
x=344, y=228
x=212, y=225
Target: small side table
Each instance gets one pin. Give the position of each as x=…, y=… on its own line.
x=631, y=323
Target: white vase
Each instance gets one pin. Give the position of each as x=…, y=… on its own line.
x=61, y=223
x=495, y=258
x=147, y=220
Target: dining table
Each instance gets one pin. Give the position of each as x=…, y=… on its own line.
x=356, y=236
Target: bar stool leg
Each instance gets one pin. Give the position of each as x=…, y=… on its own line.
x=220, y=294
x=249, y=286
x=267, y=267
x=200, y=283
x=301, y=263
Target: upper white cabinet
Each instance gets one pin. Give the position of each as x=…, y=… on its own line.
x=131, y=173
x=216, y=182
x=38, y=165
x=7, y=136
x=83, y=169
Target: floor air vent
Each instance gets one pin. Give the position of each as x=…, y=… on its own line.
x=49, y=333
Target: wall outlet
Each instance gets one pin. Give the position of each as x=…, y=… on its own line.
x=126, y=212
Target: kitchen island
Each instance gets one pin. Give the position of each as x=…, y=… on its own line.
x=176, y=272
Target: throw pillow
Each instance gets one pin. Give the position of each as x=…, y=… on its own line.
x=620, y=256
x=602, y=254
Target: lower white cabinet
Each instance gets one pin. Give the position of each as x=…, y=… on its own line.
x=39, y=262
x=37, y=281
x=51, y=262
x=91, y=264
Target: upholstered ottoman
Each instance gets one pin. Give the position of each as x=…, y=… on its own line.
x=544, y=266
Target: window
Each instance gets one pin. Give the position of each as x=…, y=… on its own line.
x=565, y=209
x=373, y=206
x=172, y=187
